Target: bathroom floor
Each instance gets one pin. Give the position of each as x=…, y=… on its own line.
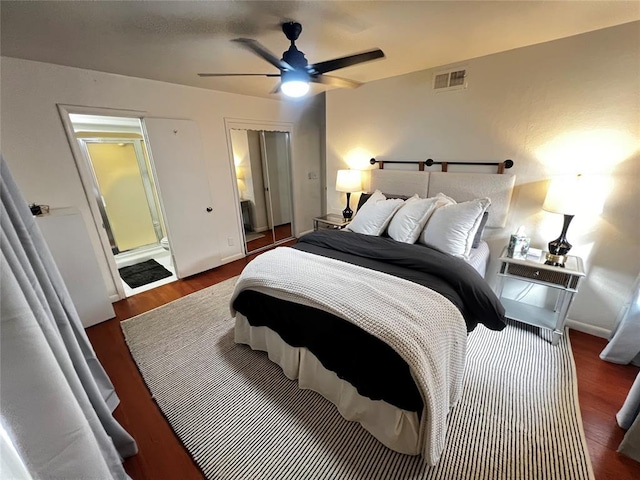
x=159, y=254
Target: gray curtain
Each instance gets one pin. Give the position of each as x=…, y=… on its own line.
x=624, y=348
x=624, y=345
x=629, y=418
x=56, y=400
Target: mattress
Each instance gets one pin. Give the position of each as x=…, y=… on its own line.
x=479, y=258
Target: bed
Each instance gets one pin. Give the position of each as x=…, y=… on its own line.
x=375, y=325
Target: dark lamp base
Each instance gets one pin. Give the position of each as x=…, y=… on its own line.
x=559, y=247
x=347, y=213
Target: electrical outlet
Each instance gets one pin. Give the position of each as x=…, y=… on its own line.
x=231, y=241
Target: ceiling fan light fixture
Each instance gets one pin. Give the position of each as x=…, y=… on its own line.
x=294, y=84
x=295, y=88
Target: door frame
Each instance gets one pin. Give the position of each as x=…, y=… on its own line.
x=86, y=178
x=258, y=125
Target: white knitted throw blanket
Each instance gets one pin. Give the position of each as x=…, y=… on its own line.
x=422, y=326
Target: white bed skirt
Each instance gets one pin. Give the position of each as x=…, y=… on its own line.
x=395, y=428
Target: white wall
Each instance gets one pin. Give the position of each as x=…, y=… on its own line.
x=571, y=105
x=37, y=152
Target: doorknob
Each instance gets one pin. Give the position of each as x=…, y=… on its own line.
x=209, y=209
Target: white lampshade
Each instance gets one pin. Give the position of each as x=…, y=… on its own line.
x=349, y=181
x=565, y=195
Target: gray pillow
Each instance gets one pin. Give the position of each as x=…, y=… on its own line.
x=365, y=196
x=478, y=237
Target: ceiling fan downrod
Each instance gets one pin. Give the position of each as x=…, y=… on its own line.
x=292, y=30
x=293, y=56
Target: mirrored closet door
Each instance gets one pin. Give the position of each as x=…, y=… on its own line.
x=262, y=164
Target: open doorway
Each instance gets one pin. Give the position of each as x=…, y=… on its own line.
x=124, y=189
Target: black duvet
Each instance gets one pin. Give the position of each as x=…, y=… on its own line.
x=363, y=360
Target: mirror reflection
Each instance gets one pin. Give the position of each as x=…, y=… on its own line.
x=263, y=174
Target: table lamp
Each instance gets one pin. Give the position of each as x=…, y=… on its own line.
x=348, y=181
x=563, y=197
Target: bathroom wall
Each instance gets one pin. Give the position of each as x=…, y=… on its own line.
x=123, y=194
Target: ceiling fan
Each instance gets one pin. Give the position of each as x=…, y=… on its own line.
x=295, y=72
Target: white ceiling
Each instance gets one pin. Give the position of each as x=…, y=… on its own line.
x=172, y=41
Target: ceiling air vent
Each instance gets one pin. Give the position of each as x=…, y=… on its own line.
x=455, y=79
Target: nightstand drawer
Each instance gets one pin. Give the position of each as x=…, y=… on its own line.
x=565, y=280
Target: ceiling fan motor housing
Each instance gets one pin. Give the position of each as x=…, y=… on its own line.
x=295, y=58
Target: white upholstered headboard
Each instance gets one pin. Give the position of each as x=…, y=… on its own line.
x=459, y=186
x=400, y=182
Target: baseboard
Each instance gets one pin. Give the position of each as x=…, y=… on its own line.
x=590, y=329
x=232, y=258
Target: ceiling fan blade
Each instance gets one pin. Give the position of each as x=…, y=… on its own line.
x=262, y=51
x=347, y=61
x=238, y=74
x=335, y=81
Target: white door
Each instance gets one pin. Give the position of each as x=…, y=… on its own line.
x=189, y=213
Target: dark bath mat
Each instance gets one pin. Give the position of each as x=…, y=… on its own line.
x=143, y=273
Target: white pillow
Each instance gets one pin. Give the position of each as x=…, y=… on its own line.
x=374, y=216
x=444, y=199
x=453, y=226
x=408, y=222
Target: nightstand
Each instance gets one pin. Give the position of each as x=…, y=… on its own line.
x=331, y=220
x=565, y=280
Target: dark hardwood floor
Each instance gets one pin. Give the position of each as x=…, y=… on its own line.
x=268, y=238
x=602, y=389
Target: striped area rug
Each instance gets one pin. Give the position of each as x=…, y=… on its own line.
x=241, y=418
